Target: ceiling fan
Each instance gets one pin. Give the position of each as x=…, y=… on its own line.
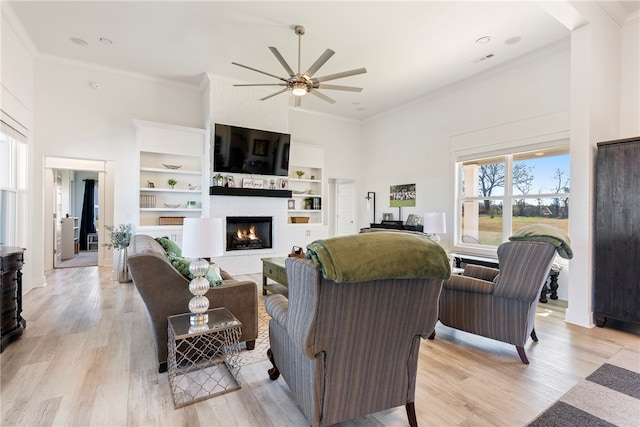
x=302, y=83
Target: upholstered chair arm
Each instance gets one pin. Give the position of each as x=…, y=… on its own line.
x=304, y=294
x=277, y=307
x=469, y=284
x=481, y=272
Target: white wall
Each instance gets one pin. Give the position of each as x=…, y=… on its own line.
x=630, y=78
x=343, y=147
x=16, y=101
x=76, y=121
x=413, y=144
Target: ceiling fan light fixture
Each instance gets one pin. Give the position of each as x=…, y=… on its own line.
x=299, y=89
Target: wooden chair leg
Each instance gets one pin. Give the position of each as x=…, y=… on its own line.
x=274, y=373
x=411, y=414
x=433, y=335
x=522, y=354
x=533, y=335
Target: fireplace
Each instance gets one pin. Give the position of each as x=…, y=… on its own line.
x=248, y=232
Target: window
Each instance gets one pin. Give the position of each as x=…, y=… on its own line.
x=13, y=185
x=502, y=192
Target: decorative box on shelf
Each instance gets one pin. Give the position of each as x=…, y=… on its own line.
x=170, y=220
x=300, y=219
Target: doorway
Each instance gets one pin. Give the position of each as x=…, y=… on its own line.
x=77, y=219
x=345, y=208
x=64, y=189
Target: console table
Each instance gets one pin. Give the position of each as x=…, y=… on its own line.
x=11, y=322
x=550, y=286
x=274, y=269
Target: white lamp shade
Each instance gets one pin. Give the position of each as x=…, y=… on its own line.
x=434, y=223
x=202, y=237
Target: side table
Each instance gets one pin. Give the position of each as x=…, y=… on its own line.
x=203, y=360
x=274, y=269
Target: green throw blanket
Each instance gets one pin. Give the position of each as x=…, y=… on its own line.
x=545, y=233
x=383, y=255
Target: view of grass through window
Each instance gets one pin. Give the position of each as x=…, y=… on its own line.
x=534, y=184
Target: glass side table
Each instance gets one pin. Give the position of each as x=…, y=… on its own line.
x=203, y=360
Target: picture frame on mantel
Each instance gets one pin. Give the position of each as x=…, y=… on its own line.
x=283, y=184
x=252, y=183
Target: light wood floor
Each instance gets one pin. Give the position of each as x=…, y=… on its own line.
x=86, y=359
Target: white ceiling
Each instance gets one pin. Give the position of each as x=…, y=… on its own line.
x=408, y=48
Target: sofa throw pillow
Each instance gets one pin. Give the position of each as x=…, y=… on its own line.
x=182, y=265
x=170, y=247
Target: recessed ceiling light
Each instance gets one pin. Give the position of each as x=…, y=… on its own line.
x=513, y=40
x=105, y=40
x=484, y=40
x=94, y=85
x=78, y=41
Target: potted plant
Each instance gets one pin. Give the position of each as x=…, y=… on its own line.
x=299, y=174
x=217, y=180
x=119, y=239
x=172, y=182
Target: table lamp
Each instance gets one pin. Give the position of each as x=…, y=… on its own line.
x=433, y=224
x=201, y=238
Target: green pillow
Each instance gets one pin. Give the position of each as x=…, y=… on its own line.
x=182, y=265
x=170, y=247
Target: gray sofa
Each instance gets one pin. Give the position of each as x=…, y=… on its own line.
x=165, y=292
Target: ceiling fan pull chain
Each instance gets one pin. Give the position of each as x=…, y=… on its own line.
x=299, y=51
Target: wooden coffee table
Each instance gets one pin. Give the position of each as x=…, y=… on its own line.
x=274, y=269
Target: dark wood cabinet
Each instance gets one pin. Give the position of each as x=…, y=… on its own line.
x=616, y=292
x=11, y=322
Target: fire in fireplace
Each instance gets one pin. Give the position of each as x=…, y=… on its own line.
x=248, y=232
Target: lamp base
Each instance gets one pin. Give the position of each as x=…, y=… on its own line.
x=199, y=319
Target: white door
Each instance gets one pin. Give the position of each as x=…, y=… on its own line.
x=345, y=208
x=57, y=218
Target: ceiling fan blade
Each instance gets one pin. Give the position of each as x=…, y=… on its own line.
x=322, y=96
x=319, y=63
x=274, y=94
x=339, y=75
x=297, y=101
x=280, y=59
x=258, y=71
x=337, y=87
x=263, y=84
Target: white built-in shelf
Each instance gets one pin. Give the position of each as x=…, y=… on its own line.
x=168, y=190
x=171, y=171
x=171, y=209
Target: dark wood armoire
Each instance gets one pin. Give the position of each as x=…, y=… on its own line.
x=616, y=293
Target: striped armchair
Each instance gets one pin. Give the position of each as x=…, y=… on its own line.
x=349, y=349
x=499, y=304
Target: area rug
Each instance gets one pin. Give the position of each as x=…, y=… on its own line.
x=610, y=396
x=259, y=353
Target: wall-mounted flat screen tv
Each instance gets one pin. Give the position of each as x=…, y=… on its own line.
x=251, y=151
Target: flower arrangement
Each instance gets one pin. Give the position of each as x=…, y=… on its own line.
x=120, y=237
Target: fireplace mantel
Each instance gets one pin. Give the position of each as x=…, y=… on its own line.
x=251, y=192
